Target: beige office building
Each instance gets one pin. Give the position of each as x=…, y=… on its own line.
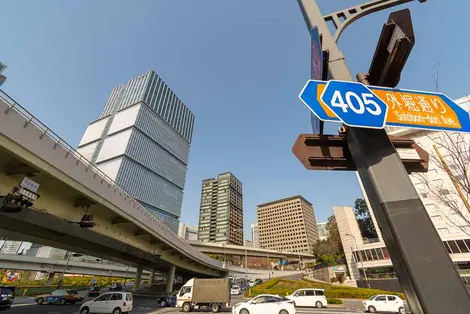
x=287, y=224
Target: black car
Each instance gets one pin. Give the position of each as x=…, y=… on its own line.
x=94, y=292
x=167, y=300
x=7, y=295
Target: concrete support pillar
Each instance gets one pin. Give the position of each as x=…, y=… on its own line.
x=138, y=278
x=171, y=279
x=50, y=278
x=151, y=279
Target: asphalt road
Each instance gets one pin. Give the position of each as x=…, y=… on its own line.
x=26, y=305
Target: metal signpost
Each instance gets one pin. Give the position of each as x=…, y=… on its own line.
x=420, y=260
x=316, y=73
x=359, y=105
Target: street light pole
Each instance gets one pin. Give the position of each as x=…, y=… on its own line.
x=65, y=269
x=360, y=259
x=420, y=260
x=244, y=245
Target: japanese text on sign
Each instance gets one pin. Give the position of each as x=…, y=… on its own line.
x=418, y=109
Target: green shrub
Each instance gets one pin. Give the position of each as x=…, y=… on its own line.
x=33, y=291
x=288, y=286
x=334, y=301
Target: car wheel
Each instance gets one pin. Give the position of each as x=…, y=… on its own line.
x=117, y=311
x=244, y=311
x=401, y=310
x=318, y=304
x=186, y=307
x=283, y=312
x=62, y=302
x=371, y=309
x=85, y=310
x=40, y=301
x=215, y=308
x=163, y=304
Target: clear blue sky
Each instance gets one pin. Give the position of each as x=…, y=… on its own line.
x=238, y=65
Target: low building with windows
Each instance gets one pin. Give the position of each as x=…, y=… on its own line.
x=447, y=208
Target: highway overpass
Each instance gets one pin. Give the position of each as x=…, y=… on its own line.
x=222, y=248
x=53, y=266
x=49, y=265
x=71, y=186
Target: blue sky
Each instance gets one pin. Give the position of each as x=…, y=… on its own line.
x=238, y=65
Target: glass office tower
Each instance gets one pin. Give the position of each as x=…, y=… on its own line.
x=142, y=140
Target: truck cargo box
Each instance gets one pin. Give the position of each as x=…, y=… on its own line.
x=211, y=290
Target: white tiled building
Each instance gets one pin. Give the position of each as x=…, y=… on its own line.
x=444, y=205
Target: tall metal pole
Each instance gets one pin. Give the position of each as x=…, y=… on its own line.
x=360, y=259
x=65, y=269
x=246, y=256
x=421, y=262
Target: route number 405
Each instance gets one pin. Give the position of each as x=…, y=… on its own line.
x=358, y=104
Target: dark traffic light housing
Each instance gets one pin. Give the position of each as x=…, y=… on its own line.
x=17, y=199
x=87, y=221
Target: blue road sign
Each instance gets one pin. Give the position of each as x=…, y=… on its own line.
x=355, y=104
x=374, y=107
x=316, y=70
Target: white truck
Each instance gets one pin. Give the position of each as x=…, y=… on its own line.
x=212, y=294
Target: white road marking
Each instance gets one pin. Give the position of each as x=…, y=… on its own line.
x=23, y=304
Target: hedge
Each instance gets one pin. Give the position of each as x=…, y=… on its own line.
x=33, y=291
x=334, y=301
x=286, y=286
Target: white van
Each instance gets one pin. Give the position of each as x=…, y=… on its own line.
x=110, y=302
x=309, y=297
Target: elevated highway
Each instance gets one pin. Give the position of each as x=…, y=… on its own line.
x=49, y=265
x=219, y=248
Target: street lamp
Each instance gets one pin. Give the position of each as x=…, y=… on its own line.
x=225, y=254
x=67, y=265
x=360, y=258
x=244, y=245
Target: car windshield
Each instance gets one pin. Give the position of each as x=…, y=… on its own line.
x=6, y=291
x=235, y=287
x=372, y=297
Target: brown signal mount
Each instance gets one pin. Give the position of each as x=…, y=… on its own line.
x=331, y=152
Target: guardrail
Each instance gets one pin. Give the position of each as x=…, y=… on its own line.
x=151, y=221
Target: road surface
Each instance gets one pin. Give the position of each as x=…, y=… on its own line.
x=143, y=305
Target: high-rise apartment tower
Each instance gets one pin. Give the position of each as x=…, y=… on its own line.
x=221, y=214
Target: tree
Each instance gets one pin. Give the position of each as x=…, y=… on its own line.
x=330, y=251
x=366, y=225
x=449, y=153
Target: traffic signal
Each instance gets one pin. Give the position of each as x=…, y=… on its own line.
x=87, y=221
x=17, y=199
x=395, y=44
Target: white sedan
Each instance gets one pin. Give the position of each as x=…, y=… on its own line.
x=235, y=290
x=265, y=303
x=384, y=303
